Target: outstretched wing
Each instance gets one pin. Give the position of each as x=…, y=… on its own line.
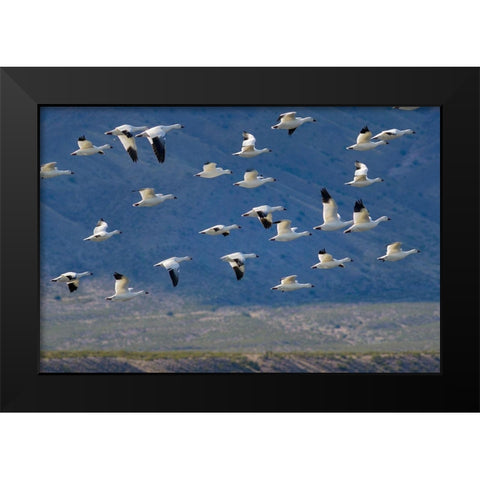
x=250, y=175
x=286, y=116
x=209, y=166
x=248, y=139
x=100, y=227
x=238, y=267
x=121, y=283
x=47, y=167
x=265, y=219
x=128, y=142
x=330, y=213
x=83, y=144
x=72, y=286
x=365, y=135
x=393, y=248
x=360, y=213
x=360, y=169
x=289, y=279
x=174, y=276
x=158, y=145
x=147, y=193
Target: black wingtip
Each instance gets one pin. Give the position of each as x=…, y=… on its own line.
x=358, y=205
x=325, y=195
x=174, y=277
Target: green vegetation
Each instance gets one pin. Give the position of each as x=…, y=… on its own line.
x=349, y=328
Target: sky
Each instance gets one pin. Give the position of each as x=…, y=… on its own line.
x=337, y=33
x=315, y=156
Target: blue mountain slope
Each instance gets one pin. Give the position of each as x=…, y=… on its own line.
x=312, y=158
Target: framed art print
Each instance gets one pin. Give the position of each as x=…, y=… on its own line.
x=240, y=239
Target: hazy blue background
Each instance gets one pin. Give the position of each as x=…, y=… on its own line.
x=312, y=158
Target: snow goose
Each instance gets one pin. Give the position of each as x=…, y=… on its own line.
x=285, y=233
x=72, y=279
x=366, y=145
x=264, y=214
x=100, y=233
x=49, y=170
x=210, y=170
x=392, y=134
x=327, y=261
x=360, y=178
x=122, y=292
x=365, y=135
x=156, y=137
x=288, y=284
x=362, y=220
x=237, y=262
x=220, y=230
x=85, y=147
x=331, y=219
x=150, y=198
x=248, y=147
x=395, y=253
x=124, y=133
x=172, y=265
x=251, y=179
x=289, y=121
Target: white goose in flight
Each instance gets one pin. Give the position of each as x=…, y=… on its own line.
x=100, y=233
x=125, y=135
x=150, y=198
x=156, y=137
x=366, y=146
x=392, y=134
x=289, y=121
x=248, y=147
x=220, y=229
x=172, y=265
x=362, y=220
x=395, y=252
x=331, y=219
x=72, y=279
x=49, y=170
x=364, y=141
x=251, y=179
x=360, y=178
x=122, y=292
x=285, y=233
x=264, y=214
x=327, y=261
x=237, y=261
x=86, y=147
x=210, y=170
x=288, y=284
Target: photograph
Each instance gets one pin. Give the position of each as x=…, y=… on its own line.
x=246, y=239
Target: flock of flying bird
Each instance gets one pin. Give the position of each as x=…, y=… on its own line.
x=285, y=232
